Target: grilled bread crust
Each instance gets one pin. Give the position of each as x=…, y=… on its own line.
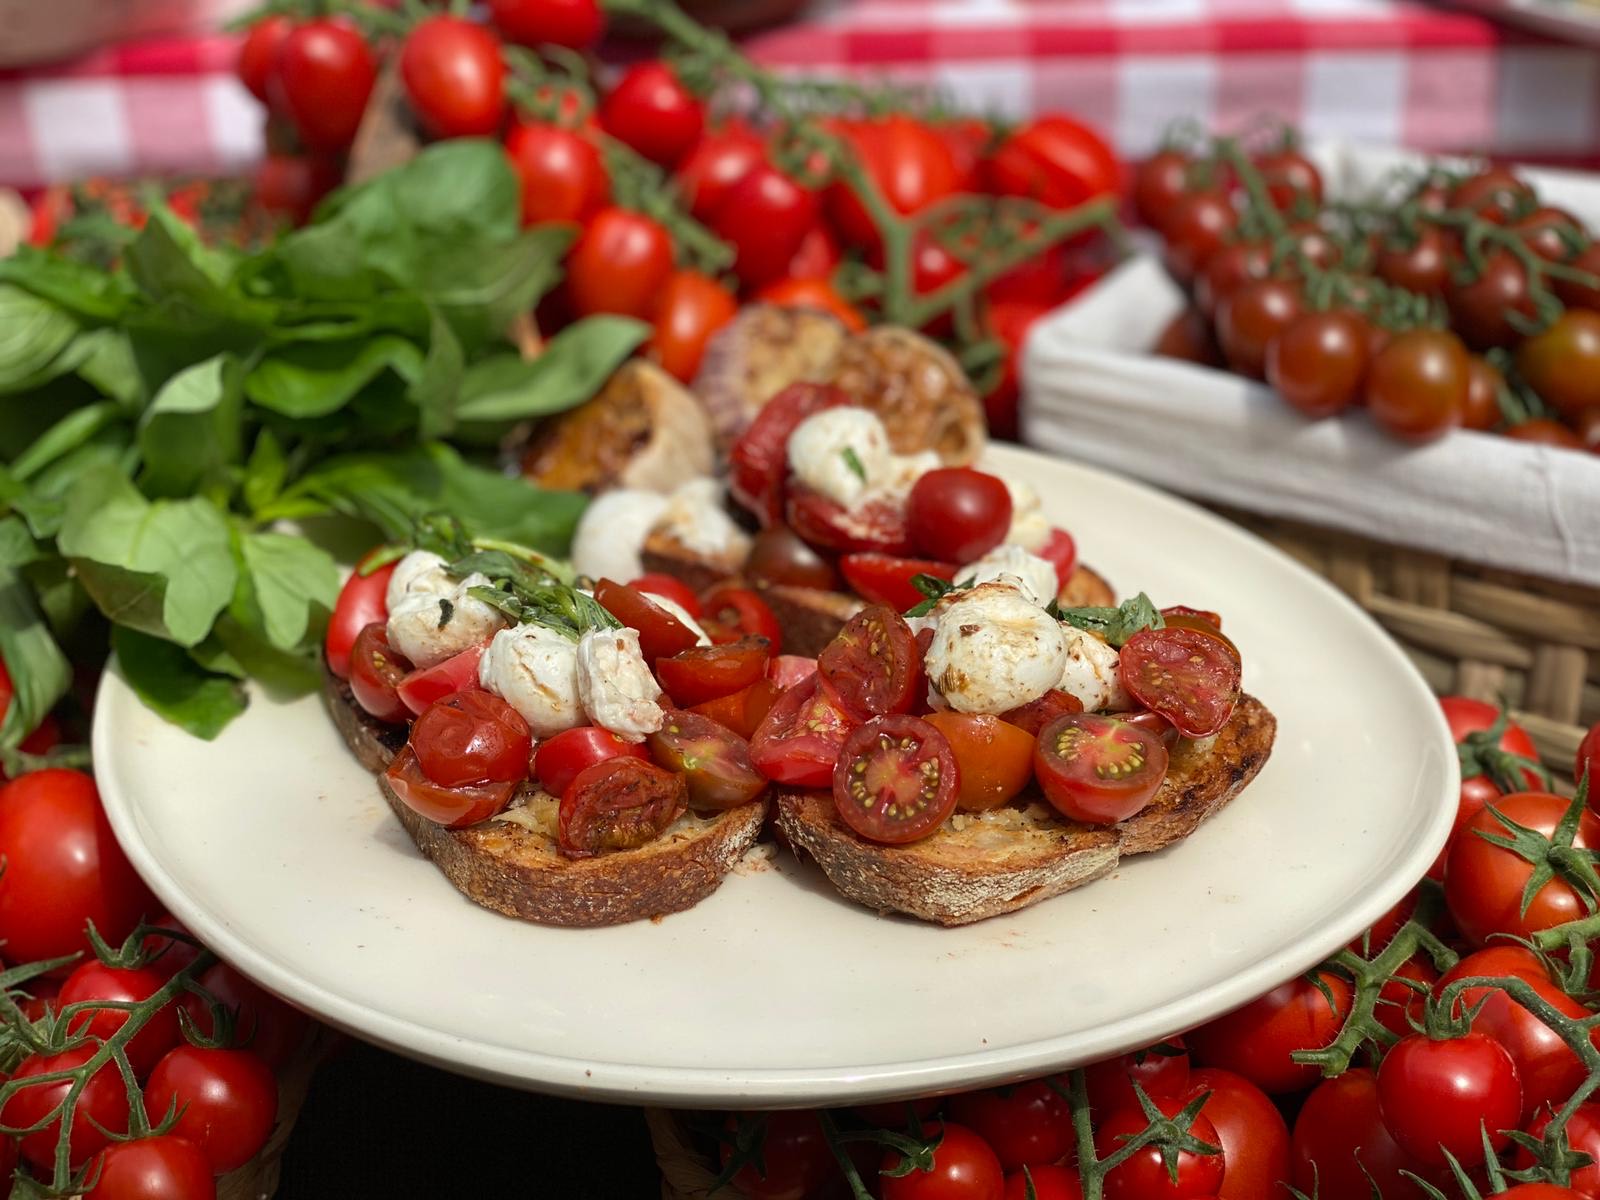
x=519, y=872
x=981, y=865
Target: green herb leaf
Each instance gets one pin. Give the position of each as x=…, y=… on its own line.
x=40, y=673
x=265, y=473
x=1115, y=625
x=568, y=371
x=853, y=461
x=293, y=579
x=111, y=369
x=481, y=287
x=17, y=547
x=78, y=287
x=176, y=687
x=33, y=334
x=313, y=379
x=933, y=588
x=438, y=385
x=192, y=431
x=66, y=435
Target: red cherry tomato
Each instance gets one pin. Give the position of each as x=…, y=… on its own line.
x=1036, y=714
x=619, y=804
x=620, y=264
x=1144, y=1176
x=1542, y=431
x=1199, y=226
x=164, y=955
x=1188, y=676
x=101, y=1105
x=1341, y=1146
x=1251, y=1132
x=291, y=186
x=259, y=52
x=1251, y=317
x=957, y=514
x=969, y=140
x=1256, y=1041
x=1494, y=193
x=691, y=310
x=1418, y=264
x=1417, y=384
x=1318, y=362
x=1044, y=1183
x=63, y=869
x=377, y=670
x=668, y=587
x=575, y=24
x=800, y=740
x=1056, y=161
x=454, y=77
x=1228, y=270
x=227, y=1101
x=885, y=579
x=1561, y=362
x=764, y=217
x=815, y=294
x=1061, y=550
x=908, y=162
x=744, y=710
x=896, y=780
x=873, y=666
x=661, y=634
x=458, y=673
x=1159, y=183
x=720, y=159
x=94, y=982
x=653, y=112
x=1292, y=179
x=564, y=757
x=469, y=738
x=153, y=1168
x=562, y=175
x=1583, y=1135
x=1029, y=1124
x=452, y=807
x=1098, y=769
x=1161, y=1070
x=816, y=258
x=704, y=673
x=1435, y=1096
x=323, y=78
x=734, y=613
x=714, y=762
x=262, y=1023
x=963, y=1166
x=1466, y=718
x=794, y=1159
x=758, y=463
x=1398, y=1003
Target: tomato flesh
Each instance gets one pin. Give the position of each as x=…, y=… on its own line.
x=758, y=464
x=1036, y=714
x=735, y=614
x=564, y=757
x=457, y=673
x=669, y=587
x=885, y=579
x=896, y=779
x=704, y=673
x=1098, y=769
x=376, y=671
x=661, y=634
x=744, y=710
x=876, y=526
x=873, y=667
x=452, y=807
x=1190, y=677
x=714, y=762
x=619, y=804
x=994, y=758
x=799, y=742
x=470, y=738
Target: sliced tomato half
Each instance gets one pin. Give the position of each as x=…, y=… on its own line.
x=457, y=673
x=619, y=804
x=798, y=744
x=896, y=780
x=704, y=673
x=873, y=667
x=714, y=761
x=561, y=759
x=1098, y=769
x=743, y=711
x=660, y=633
x=733, y=613
x=1036, y=714
x=876, y=526
x=452, y=807
x=786, y=670
x=758, y=464
x=1190, y=678
x=886, y=579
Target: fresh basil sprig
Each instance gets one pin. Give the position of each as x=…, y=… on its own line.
x=1115, y=625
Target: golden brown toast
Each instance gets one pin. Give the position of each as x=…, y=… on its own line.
x=512, y=865
x=980, y=865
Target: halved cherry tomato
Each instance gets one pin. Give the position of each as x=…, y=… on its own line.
x=957, y=514
x=798, y=744
x=733, y=614
x=704, y=673
x=619, y=804
x=812, y=293
x=654, y=583
x=995, y=758
x=661, y=634
x=896, y=779
x=758, y=464
x=886, y=579
x=471, y=737
x=360, y=603
x=778, y=557
x=872, y=667
x=376, y=670
x=1189, y=677
x=452, y=807
x=1154, y=723
x=744, y=710
x=877, y=525
x=714, y=762
x=1098, y=769
x=1199, y=624
x=1061, y=550
x=564, y=757
x=786, y=670
x=455, y=674
x=1183, y=610
x=1036, y=714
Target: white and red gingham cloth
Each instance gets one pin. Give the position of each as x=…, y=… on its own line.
x=1381, y=71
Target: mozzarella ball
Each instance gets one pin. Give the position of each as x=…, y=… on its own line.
x=615, y=685
x=1033, y=576
x=421, y=572
x=902, y=474
x=994, y=650
x=1092, y=673
x=535, y=670
x=612, y=531
x=820, y=452
x=696, y=517
x=1030, y=528
x=428, y=629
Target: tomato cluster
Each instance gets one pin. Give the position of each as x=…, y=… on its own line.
x=1463, y=303
x=202, y=1042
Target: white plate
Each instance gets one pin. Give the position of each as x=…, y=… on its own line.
x=273, y=845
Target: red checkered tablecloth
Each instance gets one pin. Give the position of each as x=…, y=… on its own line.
x=1388, y=71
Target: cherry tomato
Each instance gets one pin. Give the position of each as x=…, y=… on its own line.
x=101, y=1105
x=661, y=634
x=153, y=1168
x=653, y=112
x=1467, y=717
x=619, y=804
x=1061, y=550
x=1577, y=293
x=872, y=667
x=1484, y=883
x=1481, y=408
x=1186, y=675
x=779, y=558
x=817, y=257
x=1292, y=179
x=794, y=1159
x=898, y=1114
x=63, y=869
x=262, y=1023
x=1479, y=306
x=704, y=673
x=1399, y=1004
x=1056, y=161
x=877, y=526
x=469, y=738
x=969, y=140
x=620, y=264
x=291, y=186
x=1419, y=264
x=886, y=580
x=815, y=294
x=1544, y=432
x=908, y=162
x=1341, y=1146
x=1255, y=1041
x=1161, y=1070
x=1434, y=1095
x=376, y=671
x=227, y=1101
x=1587, y=765
x=719, y=160
x=564, y=757
x=714, y=762
x=454, y=77
x=744, y=710
x=424, y=687
x=259, y=52
x=1098, y=769
x=1036, y=714
x=1029, y=1124
x=561, y=173
x=1251, y=317
x=1417, y=384
x=1495, y=193
x=758, y=463
x=323, y=78
x=1318, y=362
x=575, y=24
x=957, y=514
x=95, y=981
x=692, y=308
x=1199, y=225
x=735, y=613
x=1160, y=182
x=1144, y=1176
x=1009, y=321
x=764, y=217
x=1228, y=270
x=164, y=955
x=964, y=1168
x=801, y=738
x=786, y=670
x=1044, y=1183
x=994, y=759
x=1251, y=1132
x=1583, y=1135
x=1562, y=363
x=453, y=807
x=668, y=587
x=1551, y=233
x=1189, y=337
x=1203, y=624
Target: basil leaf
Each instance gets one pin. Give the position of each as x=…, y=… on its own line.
x=481, y=287
x=66, y=435
x=283, y=673
x=1115, y=625
x=462, y=189
x=192, y=431
x=437, y=386
x=75, y=286
x=313, y=379
x=568, y=371
x=111, y=368
x=17, y=547
x=33, y=333
x=176, y=687
x=40, y=673
x=43, y=504
x=165, y=568
x=188, y=281
x=265, y=473
x=293, y=579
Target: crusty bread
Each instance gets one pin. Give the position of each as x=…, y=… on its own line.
x=980, y=865
x=513, y=865
x=756, y=355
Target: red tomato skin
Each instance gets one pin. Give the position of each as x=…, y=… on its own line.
x=1049, y=1183
x=270, y=1029
x=291, y=186
x=1435, y=1095
x=228, y=1098
x=376, y=672
x=1583, y=1135
x=669, y=587
x=1340, y=1139
x=720, y=159
x=795, y=1159
x=743, y=711
x=420, y=689
x=95, y=981
x=732, y=613
x=1255, y=1041
x=1254, y=1136
x=963, y=1165
x=167, y=956
x=63, y=869
x=259, y=52
x=104, y=1098
x=562, y=175
x=471, y=737
x=798, y=743
x=1144, y=1176
x=910, y=164
x=1026, y=1125
x=324, y=74
x=786, y=670
x=1161, y=1070
x=651, y=111
x=153, y=1168
x=815, y=294
x=885, y=579
x=958, y=514
x=712, y=672
x=564, y=757
x=575, y=24
x=1056, y=161
x=693, y=308
x=453, y=807
x=764, y=217
x=454, y=77
x=619, y=264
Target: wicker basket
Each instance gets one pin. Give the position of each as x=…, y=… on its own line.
x=687, y=1168
x=1475, y=631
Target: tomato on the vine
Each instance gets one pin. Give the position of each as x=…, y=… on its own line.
x=1249, y=319
x=1029, y=1124
x=1318, y=362
x=620, y=264
x=1576, y=293
x=324, y=76
x=964, y=1168
x=1562, y=363
x=1481, y=306
x=1250, y=1130
x=1582, y=1135
x=165, y=1167
x=575, y=24
x=1161, y=1070
x=101, y=1109
x=291, y=186
x=1228, y=270
x=454, y=77
x=1441, y=1097
x=1417, y=384
x=651, y=111
x=226, y=1100
x=793, y=1159
x=1419, y=263
x=1542, y=431
x=1256, y=1041
x=1145, y=1175
x=1009, y=321
x=691, y=309
x=1587, y=765
x=720, y=159
x=94, y=982
x=764, y=217
x=1494, y=193
x=1199, y=225
x=1468, y=717
x=1480, y=407
x=1044, y=1183
x=561, y=172
x=1159, y=183
x=1055, y=160
x=816, y=294
x=1292, y=179
x=909, y=163
x=1341, y=1147
x=258, y=54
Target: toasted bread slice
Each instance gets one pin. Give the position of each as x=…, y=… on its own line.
x=512, y=865
x=917, y=389
x=980, y=865
x=759, y=353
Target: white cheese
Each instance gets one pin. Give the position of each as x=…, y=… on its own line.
x=420, y=572
x=696, y=517
x=902, y=474
x=1092, y=673
x=429, y=628
x=1030, y=528
x=612, y=531
x=615, y=685
x=1033, y=576
x=993, y=650
x=535, y=670
x=843, y=453
x=677, y=610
